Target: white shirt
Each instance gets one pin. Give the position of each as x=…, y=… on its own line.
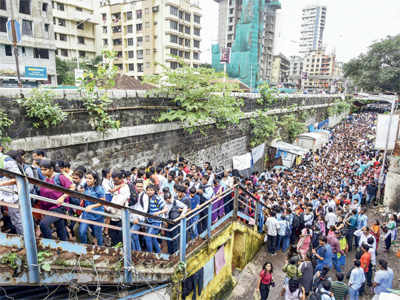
x=330, y=219
x=272, y=226
x=120, y=197
x=9, y=165
x=138, y=206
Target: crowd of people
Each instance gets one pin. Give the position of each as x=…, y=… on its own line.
x=317, y=213
x=316, y=210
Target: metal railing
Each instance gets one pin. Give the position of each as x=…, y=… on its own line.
x=235, y=203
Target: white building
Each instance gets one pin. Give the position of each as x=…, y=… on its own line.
x=36, y=48
x=312, y=28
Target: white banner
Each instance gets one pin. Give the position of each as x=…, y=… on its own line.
x=382, y=130
x=242, y=162
x=258, y=152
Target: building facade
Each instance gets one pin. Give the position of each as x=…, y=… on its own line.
x=312, y=28
x=280, y=69
x=319, y=70
x=230, y=12
x=150, y=33
x=75, y=25
x=36, y=48
x=295, y=70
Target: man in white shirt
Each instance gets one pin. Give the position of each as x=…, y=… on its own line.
x=330, y=218
x=272, y=231
x=142, y=205
x=121, y=197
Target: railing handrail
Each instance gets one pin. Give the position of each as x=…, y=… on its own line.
x=82, y=196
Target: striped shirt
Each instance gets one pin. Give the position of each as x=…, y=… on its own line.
x=156, y=204
x=339, y=289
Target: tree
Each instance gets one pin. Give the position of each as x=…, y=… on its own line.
x=65, y=71
x=379, y=69
x=201, y=97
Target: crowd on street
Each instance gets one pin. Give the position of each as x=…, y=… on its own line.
x=315, y=212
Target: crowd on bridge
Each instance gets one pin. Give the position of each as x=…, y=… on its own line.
x=315, y=211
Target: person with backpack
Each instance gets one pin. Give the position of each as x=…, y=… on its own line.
x=293, y=291
x=94, y=189
x=266, y=281
x=142, y=204
x=323, y=292
x=47, y=168
x=292, y=270
x=157, y=207
x=9, y=164
x=175, y=208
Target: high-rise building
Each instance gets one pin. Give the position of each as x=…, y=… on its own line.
x=312, y=28
x=36, y=48
x=146, y=34
x=232, y=13
x=75, y=23
x=296, y=68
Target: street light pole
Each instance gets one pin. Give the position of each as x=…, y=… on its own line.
x=15, y=47
x=380, y=181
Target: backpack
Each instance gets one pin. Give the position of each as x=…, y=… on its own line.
x=157, y=204
x=174, y=211
x=133, y=194
x=317, y=295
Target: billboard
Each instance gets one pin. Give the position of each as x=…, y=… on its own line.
x=382, y=131
x=36, y=72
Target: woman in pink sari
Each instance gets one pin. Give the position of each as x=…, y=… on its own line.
x=303, y=246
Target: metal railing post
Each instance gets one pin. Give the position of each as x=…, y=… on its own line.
x=235, y=204
x=182, y=240
x=209, y=219
x=28, y=229
x=256, y=215
x=126, y=238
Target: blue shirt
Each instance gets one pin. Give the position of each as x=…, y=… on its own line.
x=362, y=221
x=156, y=204
x=357, y=278
x=95, y=192
x=194, y=201
x=382, y=278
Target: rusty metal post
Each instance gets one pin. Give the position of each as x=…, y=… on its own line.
x=235, y=203
x=126, y=238
x=28, y=227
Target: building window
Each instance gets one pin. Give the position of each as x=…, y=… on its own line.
x=104, y=29
x=131, y=67
x=81, y=40
x=181, y=41
x=196, y=44
x=3, y=4
x=130, y=54
x=105, y=42
x=140, y=67
x=181, y=14
x=230, y=28
x=173, y=38
x=187, y=29
x=78, y=8
x=231, y=11
x=82, y=54
x=196, y=19
x=40, y=53
x=25, y=7
x=63, y=37
x=119, y=54
x=173, y=25
x=187, y=55
x=117, y=42
x=173, y=10
x=139, y=54
x=187, y=17
x=173, y=65
x=148, y=65
x=60, y=6
x=8, y=50
x=196, y=31
x=187, y=43
x=119, y=66
x=64, y=52
x=81, y=26
x=139, y=41
x=61, y=22
x=180, y=53
x=27, y=27
x=116, y=29
x=139, y=14
x=139, y=27
x=45, y=6
x=173, y=51
x=130, y=42
x=195, y=55
x=129, y=28
x=3, y=24
x=129, y=15
x=181, y=28
x=104, y=17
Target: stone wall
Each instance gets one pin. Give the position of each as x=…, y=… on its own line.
x=140, y=138
x=392, y=186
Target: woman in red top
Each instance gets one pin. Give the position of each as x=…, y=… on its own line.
x=265, y=281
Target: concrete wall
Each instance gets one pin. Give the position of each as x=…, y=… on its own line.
x=392, y=187
x=139, y=139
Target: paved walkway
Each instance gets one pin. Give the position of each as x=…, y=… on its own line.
x=247, y=280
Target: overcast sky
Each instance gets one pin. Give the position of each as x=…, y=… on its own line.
x=351, y=25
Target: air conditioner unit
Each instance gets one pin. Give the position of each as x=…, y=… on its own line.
x=155, y=9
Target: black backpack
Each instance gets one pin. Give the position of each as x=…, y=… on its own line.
x=317, y=295
x=133, y=195
x=174, y=212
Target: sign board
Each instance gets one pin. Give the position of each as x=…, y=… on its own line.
x=78, y=76
x=36, y=72
x=242, y=162
x=225, y=55
x=382, y=131
x=17, y=27
x=258, y=152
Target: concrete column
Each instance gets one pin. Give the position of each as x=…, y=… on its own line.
x=392, y=187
